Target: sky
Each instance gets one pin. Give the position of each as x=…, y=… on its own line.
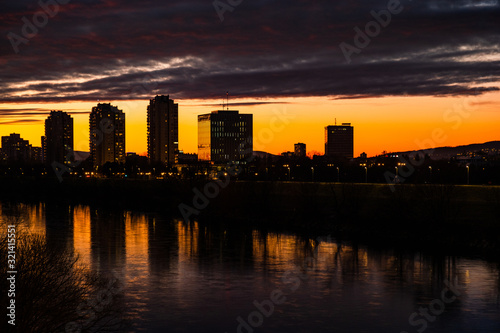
x=407, y=75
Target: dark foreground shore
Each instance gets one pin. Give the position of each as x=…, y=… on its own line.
x=462, y=220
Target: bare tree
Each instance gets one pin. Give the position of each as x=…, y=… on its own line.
x=55, y=293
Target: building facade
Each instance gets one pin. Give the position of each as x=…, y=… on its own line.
x=225, y=136
x=300, y=149
x=339, y=140
x=58, y=140
x=107, y=135
x=16, y=149
x=163, y=130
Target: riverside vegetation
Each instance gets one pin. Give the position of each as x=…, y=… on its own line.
x=56, y=293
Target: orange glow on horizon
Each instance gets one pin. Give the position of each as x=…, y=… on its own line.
x=389, y=123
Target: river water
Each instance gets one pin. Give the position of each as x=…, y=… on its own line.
x=189, y=278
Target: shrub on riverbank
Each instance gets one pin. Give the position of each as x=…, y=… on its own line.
x=53, y=292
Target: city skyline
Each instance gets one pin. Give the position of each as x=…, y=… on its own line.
x=437, y=137
x=245, y=166
x=463, y=120
x=405, y=80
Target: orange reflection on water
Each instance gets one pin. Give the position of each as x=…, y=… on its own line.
x=281, y=252
x=36, y=220
x=81, y=233
x=188, y=240
x=30, y=218
x=136, y=240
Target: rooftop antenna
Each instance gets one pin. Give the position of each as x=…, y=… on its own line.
x=335, y=121
x=227, y=99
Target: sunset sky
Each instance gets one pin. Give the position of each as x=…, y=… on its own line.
x=430, y=77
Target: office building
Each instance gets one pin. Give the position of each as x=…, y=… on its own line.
x=225, y=136
x=163, y=130
x=58, y=140
x=300, y=149
x=15, y=148
x=107, y=135
x=339, y=140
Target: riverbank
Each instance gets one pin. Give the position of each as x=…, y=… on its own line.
x=451, y=219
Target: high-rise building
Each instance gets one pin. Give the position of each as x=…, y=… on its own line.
x=15, y=148
x=44, y=149
x=339, y=140
x=225, y=136
x=300, y=149
x=58, y=140
x=36, y=154
x=163, y=130
x=107, y=134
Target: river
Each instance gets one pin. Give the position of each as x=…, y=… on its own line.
x=181, y=277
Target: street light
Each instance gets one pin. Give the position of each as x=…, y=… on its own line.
x=288, y=167
x=312, y=173
x=338, y=175
x=430, y=174
x=366, y=175
x=467, y=174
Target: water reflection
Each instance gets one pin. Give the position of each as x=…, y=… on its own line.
x=191, y=278
x=81, y=233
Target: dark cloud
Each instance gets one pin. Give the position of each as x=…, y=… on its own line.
x=21, y=122
x=34, y=112
x=117, y=50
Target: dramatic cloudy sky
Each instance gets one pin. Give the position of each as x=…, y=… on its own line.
x=286, y=52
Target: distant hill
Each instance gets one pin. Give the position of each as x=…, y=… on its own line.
x=263, y=154
x=491, y=147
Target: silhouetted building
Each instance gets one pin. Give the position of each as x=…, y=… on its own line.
x=288, y=154
x=225, y=136
x=58, y=140
x=163, y=130
x=187, y=158
x=43, y=140
x=16, y=149
x=137, y=160
x=339, y=140
x=107, y=135
x=300, y=149
x=36, y=154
